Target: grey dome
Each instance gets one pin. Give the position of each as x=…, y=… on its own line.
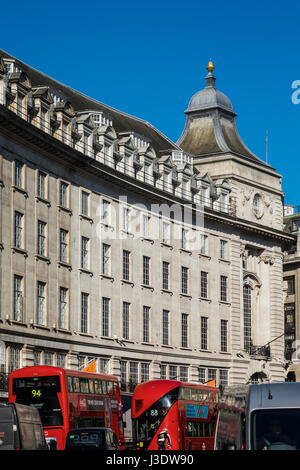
x=209, y=97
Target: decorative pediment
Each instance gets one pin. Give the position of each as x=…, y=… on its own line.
x=21, y=78
x=107, y=131
x=223, y=183
x=166, y=160
x=43, y=93
x=127, y=142
x=252, y=280
x=147, y=151
x=65, y=107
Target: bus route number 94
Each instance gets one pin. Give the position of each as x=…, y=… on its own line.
x=36, y=393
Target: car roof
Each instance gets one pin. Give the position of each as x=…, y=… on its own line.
x=90, y=429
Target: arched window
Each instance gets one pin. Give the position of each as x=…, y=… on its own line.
x=247, y=318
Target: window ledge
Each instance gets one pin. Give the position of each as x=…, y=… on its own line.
x=187, y=296
x=125, y=281
x=183, y=250
x=202, y=255
x=41, y=199
x=20, y=190
x=41, y=327
x=224, y=302
x=146, y=286
x=166, y=291
x=167, y=245
x=86, y=271
x=166, y=346
x=42, y=258
x=145, y=239
x=86, y=217
x=64, y=265
x=15, y=249
x=65, y=209
x=206, y=299
x=107, y=276
x=222, y=260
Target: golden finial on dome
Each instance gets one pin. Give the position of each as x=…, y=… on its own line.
x=210, y=66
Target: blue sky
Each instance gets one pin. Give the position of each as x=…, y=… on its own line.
x=149, y=58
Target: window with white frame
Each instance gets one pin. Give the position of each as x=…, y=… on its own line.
x=224, y=335
x=105, y=212
x=183, y=373
x=84, y=203
x=146, y=270
x=41, y=241
x=18, y=229
x=166, y=232
x=84, y=253
x=204, y=244
x=146, y=225
x=224, y=288
x=126, y=320
x=184, y=330
x=41, y=303
x=63, y=245
x=145, y=367
x=146, y=324
x=165, y=275
x=63, y=194
x=204, y=333
x=125, y=219
x=126, y=265
x=84, y=312
x=184, y=239
x=106, y=257
x=18, y=298
x=42, y=185
x=165, y=327
x=204, y=284
x=105, y=316
x=63, y=308
x=223, y=249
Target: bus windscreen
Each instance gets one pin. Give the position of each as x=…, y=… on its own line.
x=40, y=392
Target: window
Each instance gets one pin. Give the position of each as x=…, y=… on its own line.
x=48, y=358
x=163, y=371
x=41, y=185
x=41, y=242
x=166, y=232
x=84, y=203
x=183, y=373
x=212, y=374
x=105, y=316
x=184, y=330
x=133, y=373
x=223, y=244
x=203, y=286
x=295, y=225
x=203, y=333
x=247, y=318
x=63, y=245
x=256, y=203
x=184, y=239
x=84, y=312
x=184, y=280
x=14, y=362
x=165, y=327
x=223, y=282
x=63, y=308
x=103, y=365
x=18, y=230
x=144, y=372
x=224, y=324
x=63, y=194
x=146, y=324
x=105, y=212
x=18, y=177
x=203, y=245
x=125, y=222
x=201, y=375
x=105, y=259
x=41, y=303
x=223, y=377
x=126, y=308
x=18, y=298
x=123, y=374
x=146, y=226
x=60, y=360
x=146, y=270
x=173, y=372
x=290, y=284
x=126, y=265
x=165, y=276
x=84, y=253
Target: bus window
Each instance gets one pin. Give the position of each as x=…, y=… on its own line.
x=76, y=384
x=70, y=384
x=104, y=387
x=84, y=386
x=98, y=388
x=91, y=386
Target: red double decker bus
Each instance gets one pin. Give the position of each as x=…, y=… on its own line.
x=185, y=412
x=68, y=399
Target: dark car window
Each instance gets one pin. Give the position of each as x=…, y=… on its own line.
x=86, y=438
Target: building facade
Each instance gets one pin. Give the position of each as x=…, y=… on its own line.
x=159, y=260
x=291, y=278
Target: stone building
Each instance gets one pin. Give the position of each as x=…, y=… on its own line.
x=291, y=277
x=155, y=258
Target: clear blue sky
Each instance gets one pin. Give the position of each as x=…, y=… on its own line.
x=149, y=58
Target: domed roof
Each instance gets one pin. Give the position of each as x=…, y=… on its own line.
x=210, y=97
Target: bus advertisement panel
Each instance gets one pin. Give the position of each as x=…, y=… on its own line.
x=174, y=415
x=68, y=399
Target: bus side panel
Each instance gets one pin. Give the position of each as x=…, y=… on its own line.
x=170, y=423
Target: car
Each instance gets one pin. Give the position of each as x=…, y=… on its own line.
x=92, y=439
